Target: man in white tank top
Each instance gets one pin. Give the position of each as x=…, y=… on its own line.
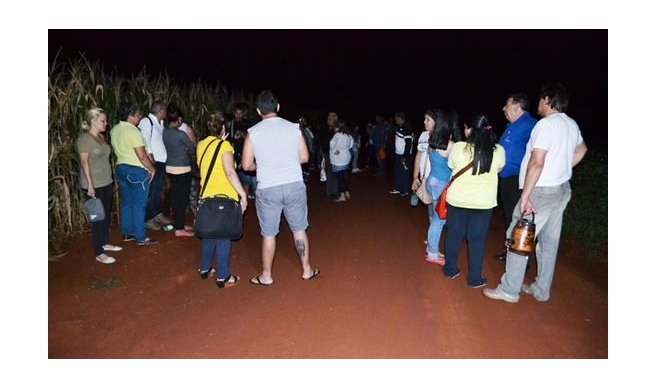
x=279, y=149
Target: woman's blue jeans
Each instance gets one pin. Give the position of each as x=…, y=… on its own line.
x=133, y=187
x=218, y=248
x=434, y=188
x=471, y=225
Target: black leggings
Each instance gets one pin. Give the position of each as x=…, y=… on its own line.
x=180, y=187
x=100, y=229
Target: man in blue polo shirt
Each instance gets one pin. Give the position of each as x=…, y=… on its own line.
x=514, y=141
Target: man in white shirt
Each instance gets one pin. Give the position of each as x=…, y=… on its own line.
x=554, y=148
x=152, y=128
x=275, y=149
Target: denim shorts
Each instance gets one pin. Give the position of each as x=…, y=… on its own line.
x=289, y=198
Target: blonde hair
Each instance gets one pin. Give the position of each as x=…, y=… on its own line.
x=215, y=122
x=92, y=114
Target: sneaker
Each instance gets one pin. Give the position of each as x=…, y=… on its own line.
x=394, y=192
x=482, y=282
x=497, y=294
x=128, y=237
x=183, y=233
x=529, y=290
x=152, y=224
x=162, y=219
x=147, y=241
x=453, y=276
x=110, y=247
x=403, y=194
x=103, y=258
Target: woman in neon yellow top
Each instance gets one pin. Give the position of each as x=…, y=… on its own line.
x=472, y=197
x=223, y=180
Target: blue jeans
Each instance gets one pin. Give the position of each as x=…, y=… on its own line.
x=133, y=186
x=220, y=249
x=470, y=224
x=434, y=188
x=550, y=203
x=341, y=173
x=249, y=181
x=154, y=206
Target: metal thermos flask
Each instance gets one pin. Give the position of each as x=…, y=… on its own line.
x=522, y=237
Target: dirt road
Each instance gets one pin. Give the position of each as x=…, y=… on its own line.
x=375, y=297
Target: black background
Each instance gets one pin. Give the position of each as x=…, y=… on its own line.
x=358, y=73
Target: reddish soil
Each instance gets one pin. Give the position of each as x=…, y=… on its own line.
x=375, y=297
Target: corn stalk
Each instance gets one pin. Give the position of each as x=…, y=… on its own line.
x=77, y=85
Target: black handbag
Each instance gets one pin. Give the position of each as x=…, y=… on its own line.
x=217, y=216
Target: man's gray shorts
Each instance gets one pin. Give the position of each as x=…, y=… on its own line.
x=289, y=198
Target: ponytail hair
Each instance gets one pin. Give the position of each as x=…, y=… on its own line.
x=482, y=139
x=91, y=115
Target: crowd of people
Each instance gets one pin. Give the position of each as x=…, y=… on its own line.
x=270, y=161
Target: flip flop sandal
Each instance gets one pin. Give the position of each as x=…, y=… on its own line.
x=256, y=280
x=315, y=273
x=227, y=283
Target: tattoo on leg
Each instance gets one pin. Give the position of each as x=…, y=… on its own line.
x=301, y=247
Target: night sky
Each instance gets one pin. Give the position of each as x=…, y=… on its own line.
x=359, y=73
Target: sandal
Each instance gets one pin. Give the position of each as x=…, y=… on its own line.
x=225, y=283
x=256, y=280
x=315, y=273
x=204, y=274
x=437, y=260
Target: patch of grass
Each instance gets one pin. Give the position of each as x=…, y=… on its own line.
x=104, y=284
x=586, y=217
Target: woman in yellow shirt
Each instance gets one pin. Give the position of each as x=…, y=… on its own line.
x=472, y=197
x=223, y=180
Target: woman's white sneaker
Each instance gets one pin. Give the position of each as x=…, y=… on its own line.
x=113, y=248
x=103, y=258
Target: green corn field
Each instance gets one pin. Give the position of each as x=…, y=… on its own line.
x=77, y=85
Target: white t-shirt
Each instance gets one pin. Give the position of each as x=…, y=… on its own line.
x=343, y=143
x=559, y=135
x=422, y=147
x=276, y=148
x=152, y=135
